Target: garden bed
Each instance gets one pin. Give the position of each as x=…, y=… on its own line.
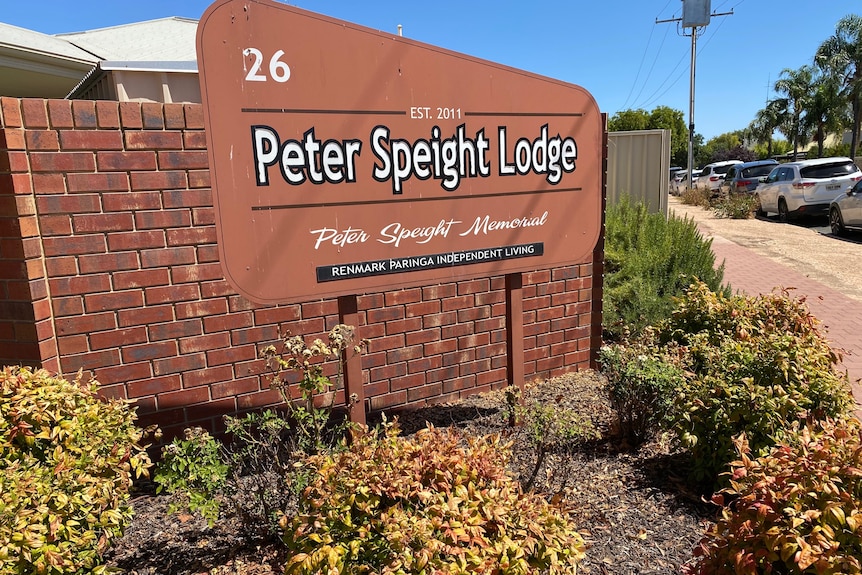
x=633, y=506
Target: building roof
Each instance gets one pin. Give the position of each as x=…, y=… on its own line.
x=161, y=40
x=39, y=65
x=36, y=64
x=30, y=41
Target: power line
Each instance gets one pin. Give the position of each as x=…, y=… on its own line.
x=712, y=35
x=656, y=95
x=640, y=66
x=652, y=67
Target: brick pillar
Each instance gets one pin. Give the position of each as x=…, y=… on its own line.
x=26, y=326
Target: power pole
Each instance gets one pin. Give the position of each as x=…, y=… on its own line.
x=694, y=21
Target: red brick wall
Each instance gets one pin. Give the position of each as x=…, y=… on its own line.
x=19, y=243
x=109, y=263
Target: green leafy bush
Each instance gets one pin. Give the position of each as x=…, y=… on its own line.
x=66, y=463
x=795, y=510
x=643, y=380
x=431, y=503
x=253, y=477
x=736, y=206
x=650, y=259
x=193, y=469
x=756, y=365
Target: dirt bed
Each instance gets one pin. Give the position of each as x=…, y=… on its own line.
x=633, y=506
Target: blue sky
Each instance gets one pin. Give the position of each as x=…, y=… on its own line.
x=614, y=49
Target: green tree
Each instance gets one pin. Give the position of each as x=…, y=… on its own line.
x=779, y=146
x=739, y=152
x=827, y=109
x=661, y=118
x=698, y=147
x=715, y=146
x=725, y=141
x=627, y=120
x=842, y=54
x=762, y=128
x=796, y=87
x=669, y=119
x=727, y=146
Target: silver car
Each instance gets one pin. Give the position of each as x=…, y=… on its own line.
x=680, y=182
x=712, y=175
x=806, y=188
x=744, y=178
x=846, y=211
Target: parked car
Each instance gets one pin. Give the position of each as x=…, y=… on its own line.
x=744, y=178
x=680, y=182
x=846, y=211
x=806, y=187
x=712, y=174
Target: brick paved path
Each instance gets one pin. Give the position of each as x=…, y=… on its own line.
x=840, y=315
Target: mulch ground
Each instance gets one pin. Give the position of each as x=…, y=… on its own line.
x=633, y=506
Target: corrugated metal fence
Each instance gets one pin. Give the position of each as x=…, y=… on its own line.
x=639, y=165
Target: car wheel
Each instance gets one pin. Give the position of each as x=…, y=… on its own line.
x=836, y=222
x=758, y=210
x=783, y=215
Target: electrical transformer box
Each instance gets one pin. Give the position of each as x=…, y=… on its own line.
x=695, y=13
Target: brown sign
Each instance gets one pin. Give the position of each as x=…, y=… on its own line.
x=346, y=160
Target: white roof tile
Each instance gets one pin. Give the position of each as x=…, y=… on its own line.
x=165, y=39
x=21, y=39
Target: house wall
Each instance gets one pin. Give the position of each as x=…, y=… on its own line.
x=169, y=87
x=109, y=263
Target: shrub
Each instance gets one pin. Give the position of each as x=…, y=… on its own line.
x=264, y=481
x=255, y=475
x=695, y=197
x=796, y=510
x=642, y=382
x=295, y=362
x=551, y=432
x=756, y=364
x=736, y=206
x=193, y=469
x=66, y=464
x=431, y=503
x=830, y=151
x=649, y=259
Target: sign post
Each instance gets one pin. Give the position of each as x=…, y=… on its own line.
x=354, y=393
x=515, y=328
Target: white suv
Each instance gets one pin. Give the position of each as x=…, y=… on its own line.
x=712, y=175
x=806, y=187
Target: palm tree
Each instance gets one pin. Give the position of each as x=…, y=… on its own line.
x=765, y=122
x=842, y=53
x=827, y=109
x=796, y=86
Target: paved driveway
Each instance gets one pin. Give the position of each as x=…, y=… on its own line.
x=761, y=255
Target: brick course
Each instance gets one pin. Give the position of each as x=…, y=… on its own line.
x=108, y=262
